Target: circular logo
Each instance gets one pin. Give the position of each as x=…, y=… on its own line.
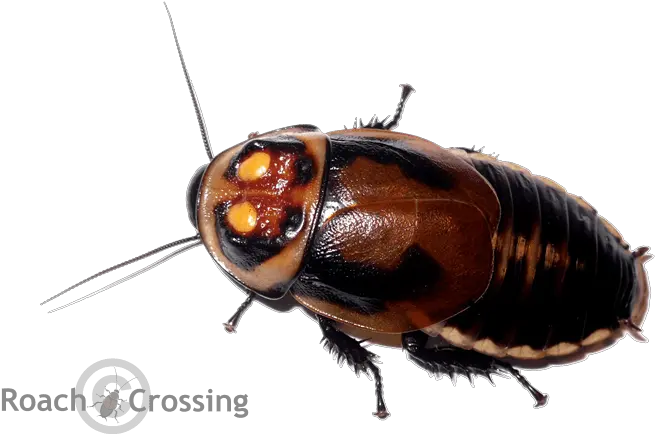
x=106, y=387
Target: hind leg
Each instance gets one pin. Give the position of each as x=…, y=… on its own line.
x=456, y=361
x=360, y=359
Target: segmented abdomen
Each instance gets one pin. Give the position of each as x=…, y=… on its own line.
x=563, y=276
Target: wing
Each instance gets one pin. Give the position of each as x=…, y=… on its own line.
x=400, y=265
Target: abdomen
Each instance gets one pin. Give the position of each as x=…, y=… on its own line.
x=563, y=277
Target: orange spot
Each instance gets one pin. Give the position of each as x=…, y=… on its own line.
x=242, y=217
x=254, y=167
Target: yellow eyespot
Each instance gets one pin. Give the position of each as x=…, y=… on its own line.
x=254, y=167
x=242, y=217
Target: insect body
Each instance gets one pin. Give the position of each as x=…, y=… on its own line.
x=393, y=234
x=109, y=405
x=388, y=233
x=112, y=396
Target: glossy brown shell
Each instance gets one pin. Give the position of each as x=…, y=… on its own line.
x=405, y=236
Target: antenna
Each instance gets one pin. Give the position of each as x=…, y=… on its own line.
x=194, y=97
x=188, y=243
x=205, y=139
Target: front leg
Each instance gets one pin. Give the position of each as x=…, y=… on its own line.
x=456, y=361
x=231, y=324
x=360, y=359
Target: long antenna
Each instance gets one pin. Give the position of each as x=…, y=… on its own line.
x=205, y=139
x=126, y=383
x=194, y=240
x=194, y=97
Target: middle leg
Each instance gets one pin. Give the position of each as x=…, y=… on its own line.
x=360, y=359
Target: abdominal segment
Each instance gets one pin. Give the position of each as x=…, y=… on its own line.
x=563, y=278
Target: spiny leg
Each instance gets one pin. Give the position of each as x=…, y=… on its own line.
x=456, y=361
x=392, y=121
x=473, y=148
x=360, y=359
x=231, y=324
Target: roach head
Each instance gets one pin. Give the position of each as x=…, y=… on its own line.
x=192, y=195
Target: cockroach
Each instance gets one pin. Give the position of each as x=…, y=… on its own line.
x=112, y=397
x=109, y=405
x=380, y=233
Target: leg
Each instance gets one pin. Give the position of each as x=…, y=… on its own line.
x=473, y=148
x=456, y=361
x=84, y=402
x=231, y=324
x=360, y=359
x=120, y=407
x=393, y=123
